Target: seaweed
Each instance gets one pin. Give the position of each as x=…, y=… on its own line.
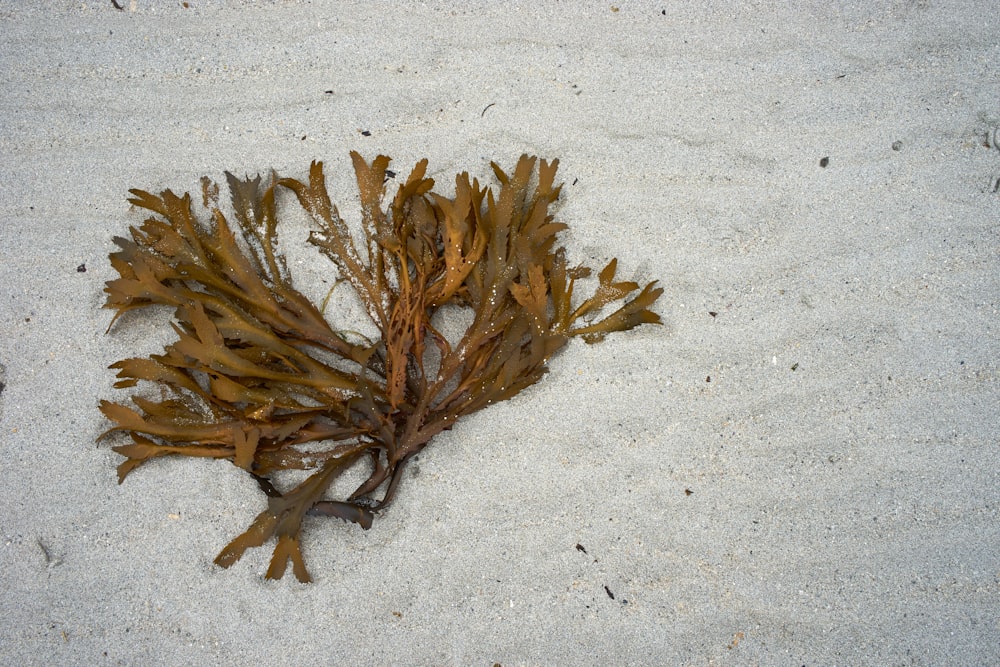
x=258, y=376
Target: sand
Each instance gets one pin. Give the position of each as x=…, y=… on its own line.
x=799, y=468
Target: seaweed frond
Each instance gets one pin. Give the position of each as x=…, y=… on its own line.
x=257, y=375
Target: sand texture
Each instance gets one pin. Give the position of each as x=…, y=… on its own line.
x=799, y=468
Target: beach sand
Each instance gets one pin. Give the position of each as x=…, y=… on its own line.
x=799, y=468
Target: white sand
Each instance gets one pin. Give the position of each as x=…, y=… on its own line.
x=843, y=457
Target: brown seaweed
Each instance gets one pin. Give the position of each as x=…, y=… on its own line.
x=259, y=377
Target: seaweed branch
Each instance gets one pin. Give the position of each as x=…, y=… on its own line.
x=257, y=375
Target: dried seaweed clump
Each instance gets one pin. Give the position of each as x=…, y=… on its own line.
x=259, y=377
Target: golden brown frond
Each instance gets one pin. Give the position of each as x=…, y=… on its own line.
x=256, y=371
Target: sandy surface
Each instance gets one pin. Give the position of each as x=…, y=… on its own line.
x=808, y=476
